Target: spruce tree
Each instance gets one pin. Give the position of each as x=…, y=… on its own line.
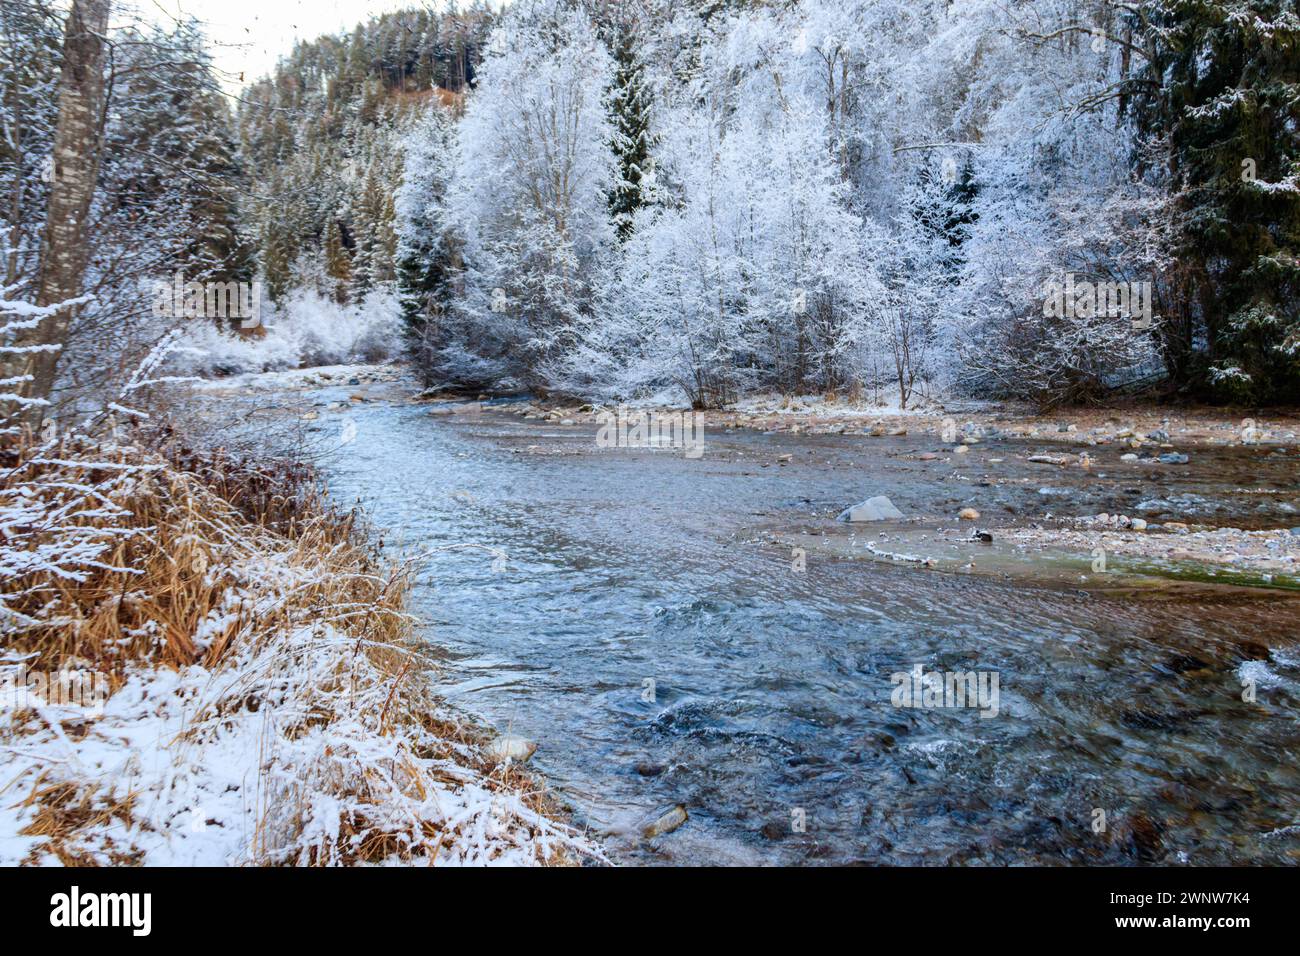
x=631, y=103
x=1226, y=112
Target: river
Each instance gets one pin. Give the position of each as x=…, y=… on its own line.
x=636, y=614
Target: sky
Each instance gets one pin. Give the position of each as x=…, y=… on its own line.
x=248, y=36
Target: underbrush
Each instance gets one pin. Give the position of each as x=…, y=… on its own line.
x=260, y=696
x=305, y=330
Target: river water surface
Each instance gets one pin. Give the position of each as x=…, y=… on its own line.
x=638, y=617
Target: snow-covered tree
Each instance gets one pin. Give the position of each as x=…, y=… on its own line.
x=425, y=248
x=529, y=202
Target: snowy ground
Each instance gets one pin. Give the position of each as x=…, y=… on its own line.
x=175, y=771
x=298, y=378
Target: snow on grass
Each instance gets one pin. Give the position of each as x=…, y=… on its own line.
x=268, y=704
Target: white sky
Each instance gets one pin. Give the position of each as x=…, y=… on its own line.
x=248, y=36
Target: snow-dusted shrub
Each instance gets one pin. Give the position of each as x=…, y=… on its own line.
x=306, y=329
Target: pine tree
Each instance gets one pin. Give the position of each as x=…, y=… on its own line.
x=424, y=256
x=338, y=262
x=1226, y=109
x=630, y=102
x=30, y=40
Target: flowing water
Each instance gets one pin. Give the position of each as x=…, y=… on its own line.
x=633, y=612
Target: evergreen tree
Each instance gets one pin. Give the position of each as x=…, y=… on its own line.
x=424, y=254
x=630, y=103
x=1226, y=112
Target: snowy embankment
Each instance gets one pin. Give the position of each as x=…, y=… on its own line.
x=202, y=664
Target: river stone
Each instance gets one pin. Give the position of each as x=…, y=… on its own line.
x=1173, y=458
x=878, y=508
x=968, y=514
x=664, y=820
x=510, y=747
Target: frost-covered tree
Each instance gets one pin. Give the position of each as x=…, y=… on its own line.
x=631, y=105
x=74, y=169
x=425, y=249
x=866, y=196
x=529, y=202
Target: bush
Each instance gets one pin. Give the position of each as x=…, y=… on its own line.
x=306, y=329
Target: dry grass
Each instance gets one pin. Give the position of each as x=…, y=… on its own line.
x=269, y=706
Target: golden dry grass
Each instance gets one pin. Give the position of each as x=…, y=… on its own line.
x=245, y=576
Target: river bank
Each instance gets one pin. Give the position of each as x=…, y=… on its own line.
x=206, y=664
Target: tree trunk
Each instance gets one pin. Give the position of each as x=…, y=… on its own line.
x=76, y=168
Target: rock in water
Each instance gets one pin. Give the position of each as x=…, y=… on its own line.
x=663, y=821
x=968, y=514
x=509, y=747
x=878, y=508
x=1173, y=458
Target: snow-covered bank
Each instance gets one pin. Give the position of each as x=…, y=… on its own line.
x=265, y=704
x=1132, y=425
